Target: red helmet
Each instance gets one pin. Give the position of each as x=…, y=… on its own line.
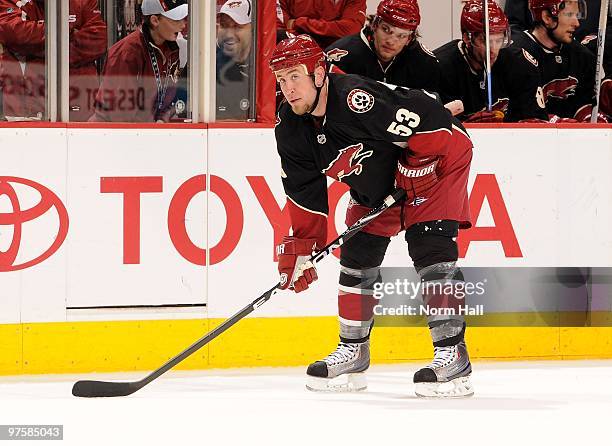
x=400, y=13
x=473, y=18
x=299, y=50
x=554, y=6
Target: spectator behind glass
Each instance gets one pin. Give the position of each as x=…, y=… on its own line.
x=141, y=72
x=516, y=88
x=389, y=51
x=325, y=20
x=22, y=64
x=234, y=42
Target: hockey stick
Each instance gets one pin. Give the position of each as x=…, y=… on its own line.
x=91, y=389
x=603, y=20
x=488, y=62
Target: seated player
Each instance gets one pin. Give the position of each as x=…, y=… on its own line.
x=389, y=49
x=515, y=82
x=567, y=68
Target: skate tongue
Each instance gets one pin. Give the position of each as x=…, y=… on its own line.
x=343, y=353
x=443, y=356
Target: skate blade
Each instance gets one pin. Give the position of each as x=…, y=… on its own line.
x=348, y=382
x=457, y=388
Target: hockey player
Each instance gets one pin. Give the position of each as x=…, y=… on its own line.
x=389, y=50
x=371, y=136
x=516, y=89
x=567, y=68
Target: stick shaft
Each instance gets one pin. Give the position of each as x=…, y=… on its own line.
x=100, y=388
x=601, y=40
x=315, y=258
x=488, y=58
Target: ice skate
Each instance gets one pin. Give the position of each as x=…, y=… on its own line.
x=448, y=375
x=342, y=370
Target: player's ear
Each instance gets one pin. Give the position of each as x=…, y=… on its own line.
x=547, y=18
x=466, y=38
x=319, y=73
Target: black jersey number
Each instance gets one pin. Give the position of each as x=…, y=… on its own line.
x=405, y=121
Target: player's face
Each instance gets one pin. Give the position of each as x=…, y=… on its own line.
x=234, y=39
x=567, y=22
x=168, y=29
x=390, y=40
x=496, y=43
x=298, y=88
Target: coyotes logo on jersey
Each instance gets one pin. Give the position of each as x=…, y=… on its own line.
x=532, y=60
x=500, y=105
x=347, y=162
x=561, y=88
x=336, y=54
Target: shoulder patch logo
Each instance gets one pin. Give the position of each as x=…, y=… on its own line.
x=588, y=38
x=334, y=55
x=530, y=58
x=360, y=101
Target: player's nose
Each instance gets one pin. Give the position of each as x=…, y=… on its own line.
x=575, y=22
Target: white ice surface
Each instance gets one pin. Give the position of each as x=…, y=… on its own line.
x=517, y=403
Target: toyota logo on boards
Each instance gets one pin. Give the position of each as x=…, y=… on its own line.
x=23, y=205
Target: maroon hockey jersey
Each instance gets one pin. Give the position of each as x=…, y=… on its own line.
x=366, y=127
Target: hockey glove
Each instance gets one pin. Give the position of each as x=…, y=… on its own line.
x=605, y=97
x=416, y=175
x=534, y=121
x=296, y=272
x=584, y=115
x=486, y=116
x=555, y=119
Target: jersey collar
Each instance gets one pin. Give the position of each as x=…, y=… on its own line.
x=544, y=48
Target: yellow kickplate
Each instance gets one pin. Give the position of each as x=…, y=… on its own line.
x=82, y=347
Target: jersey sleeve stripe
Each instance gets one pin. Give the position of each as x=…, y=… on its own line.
x=450, y=132
x=460, y=131
x=305, y=209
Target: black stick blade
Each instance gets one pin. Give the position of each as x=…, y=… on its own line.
x=96, y=389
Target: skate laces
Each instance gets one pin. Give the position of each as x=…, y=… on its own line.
x=443, y=356
x=343, y=353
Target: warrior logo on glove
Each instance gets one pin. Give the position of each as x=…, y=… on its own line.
x=416, y=176
x=294, y=265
